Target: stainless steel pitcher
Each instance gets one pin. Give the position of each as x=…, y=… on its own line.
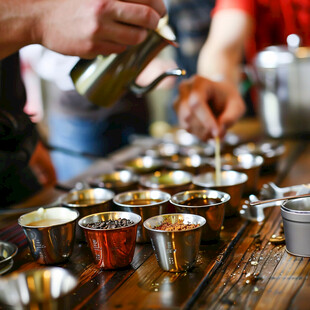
x=104, y=80
x=283, y=76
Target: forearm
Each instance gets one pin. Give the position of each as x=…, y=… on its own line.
x=84, y=28
x=19, y=24
x=222, y=52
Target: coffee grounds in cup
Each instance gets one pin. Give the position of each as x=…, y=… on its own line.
x=110, y=224
x=167, y=226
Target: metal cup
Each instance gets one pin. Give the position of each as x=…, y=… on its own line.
x=232, y=183
x=142, y=164
x=158, y=201
x=7, y=251
x=117, y=181
x=296, y=223
x=111, y=248
x=87, y=201
x=45, y=288
x=271, y=151
x=193, y=163
x=171, y=182
x=175, y=251
x=52, y=241
x=209, y=204
x=247, y=163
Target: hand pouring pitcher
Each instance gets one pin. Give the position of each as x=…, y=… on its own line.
x=104, y=80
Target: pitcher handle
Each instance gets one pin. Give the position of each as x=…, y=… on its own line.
x=141, y=90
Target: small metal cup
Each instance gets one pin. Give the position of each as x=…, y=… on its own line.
x=193, y=163
x=171, y=182
x=50, y=244
x=111, y=248
x=117, y=181
x=232, y=183
x=143, y=164
x=213, y=211
x=139, y=206
x=175, y=251
x=271, y=151
x=247, y=163
x=7, y=251
x=87, y=201
x=45, y=288
x=296, y=224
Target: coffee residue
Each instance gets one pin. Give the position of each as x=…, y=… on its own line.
x=179, y=226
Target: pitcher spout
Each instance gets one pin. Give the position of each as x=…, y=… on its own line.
x=142, y=90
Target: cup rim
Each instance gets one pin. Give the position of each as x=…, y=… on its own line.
x=145, y=180
x=138, y=220
x=106, y=180
x=168, y=197
x=226, y=196
x=174, y=231
x=258, y=161
x=77, y=214
x=14, y=250
x=208, y=184
x=63, y=197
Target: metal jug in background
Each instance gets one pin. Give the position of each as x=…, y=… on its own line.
x=104, y=80
x=283, y=78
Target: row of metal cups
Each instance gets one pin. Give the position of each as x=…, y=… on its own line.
x=50, y=232
x=113, y=248
x=146, y=172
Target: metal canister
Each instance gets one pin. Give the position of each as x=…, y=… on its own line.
x=296, y=223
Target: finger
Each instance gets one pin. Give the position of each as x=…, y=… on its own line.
x=188, y=119
x=157, y=5
x=199, y=101
x=136, y=14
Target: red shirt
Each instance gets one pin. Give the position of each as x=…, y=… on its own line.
x=274, y=20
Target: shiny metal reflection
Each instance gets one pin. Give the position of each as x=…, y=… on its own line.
x=45, y=288
x=171, y=182
x=296, y=225
x=7, y=251
x=88, y=201
x=158, y=206
x=232, y=183
x=247, y=163
x=175, y=251
x=50, y=243
x=213, y=212
x=111, y=248
x=117, y=181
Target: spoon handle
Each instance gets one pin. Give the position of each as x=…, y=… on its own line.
x=254, y=203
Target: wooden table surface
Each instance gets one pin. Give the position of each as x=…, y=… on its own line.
x=244, y=270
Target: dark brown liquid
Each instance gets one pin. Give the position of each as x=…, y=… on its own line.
x=140, y=202
x=199, y=201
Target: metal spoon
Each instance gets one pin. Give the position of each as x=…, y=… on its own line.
x=268, y=201
x=253, y=209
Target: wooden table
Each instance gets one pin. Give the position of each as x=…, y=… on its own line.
x=244, y=270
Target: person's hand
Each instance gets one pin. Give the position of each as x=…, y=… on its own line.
x=42, y=166
x=206, y=108
x=87, y=28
